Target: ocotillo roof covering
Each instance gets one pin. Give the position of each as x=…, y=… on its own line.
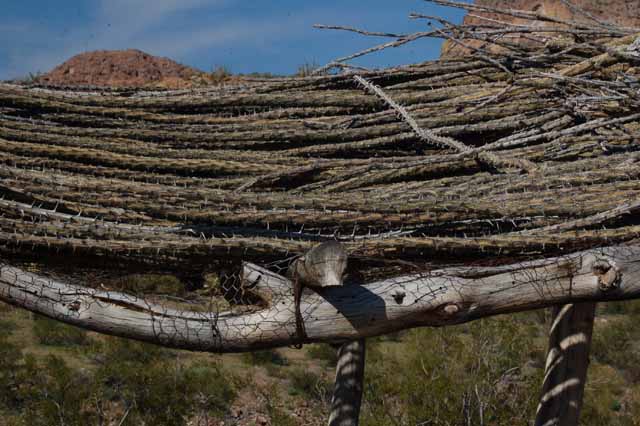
x=528, y=152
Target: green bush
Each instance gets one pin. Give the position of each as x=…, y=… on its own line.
x=616, y=343
x=49, y=392
x=608, y=399
x=152, y=284
x=324, y=352
x=55, y=333
x=5, y=308
x=309, y=385
x=147, y=383
x=265, y=357
x=469, y=374
x=209, y=388
x=625, y=307
x=278, y=416
x=156, y=388
x=10, y=357
x=133, y=374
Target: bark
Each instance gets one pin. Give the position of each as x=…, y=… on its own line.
x=321, y=267
x=566, y=366
x=349, y=384
x=441, y=297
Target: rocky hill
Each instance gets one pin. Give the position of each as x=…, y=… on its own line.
x=120, y=68
x=621, y=12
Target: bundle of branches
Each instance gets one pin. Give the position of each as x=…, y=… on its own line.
x=526, y=150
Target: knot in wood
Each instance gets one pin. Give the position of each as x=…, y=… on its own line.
x=74, y=306
x=445, y=313
x=398, y=296
x=608, y=275
x=451, y=309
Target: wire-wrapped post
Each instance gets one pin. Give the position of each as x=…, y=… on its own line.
x=324, y=266
x=566, y=366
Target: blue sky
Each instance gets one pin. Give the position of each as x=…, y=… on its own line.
x=246, y=36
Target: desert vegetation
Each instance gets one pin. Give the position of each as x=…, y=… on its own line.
x=432, y=375
x=462, y=190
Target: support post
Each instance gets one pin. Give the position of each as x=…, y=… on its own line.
x=347, y=391
x=324, y=266
x=566, y=365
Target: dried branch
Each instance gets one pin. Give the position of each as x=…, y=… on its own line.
x=443, y=141
x=262, y=169
x=359, y=31
x=437, y=299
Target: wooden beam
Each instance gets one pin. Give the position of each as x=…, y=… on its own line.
x=437, y=298
x=322, y=266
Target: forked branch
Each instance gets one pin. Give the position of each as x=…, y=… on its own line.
x=437, y=298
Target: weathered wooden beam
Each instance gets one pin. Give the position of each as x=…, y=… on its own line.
x=566, y=367
x=437, y=298
x=322, y=266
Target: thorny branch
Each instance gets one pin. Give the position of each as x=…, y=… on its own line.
x=533, y=158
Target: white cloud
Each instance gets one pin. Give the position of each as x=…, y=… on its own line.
x=115, y=24
x=162, y=27
x=121, y=20
x=186, y=41
x=146, y=11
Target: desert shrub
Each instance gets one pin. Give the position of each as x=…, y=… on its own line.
x=626, y=307
x=393, y=337
x=262, y=75
x=608, y=399
x=264, y=357
x=30, y=78
x=219, y=74
x=39, y=392
x=55, y=333
x=271, y=360
x=477, y=373
x=324, y=352
x=5, y=308
x=209, y=388
x=156, y=388
x=133, y=373
x=616, y=343
x=117, y=351
x=6, y=328
x=277, y=415
x=10, y=356
x=151, y=284
x=50, y=393
x=307, y=69
x=306, y=383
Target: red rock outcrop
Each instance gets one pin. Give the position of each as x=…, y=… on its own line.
x=120, y=68
x=625, y=13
